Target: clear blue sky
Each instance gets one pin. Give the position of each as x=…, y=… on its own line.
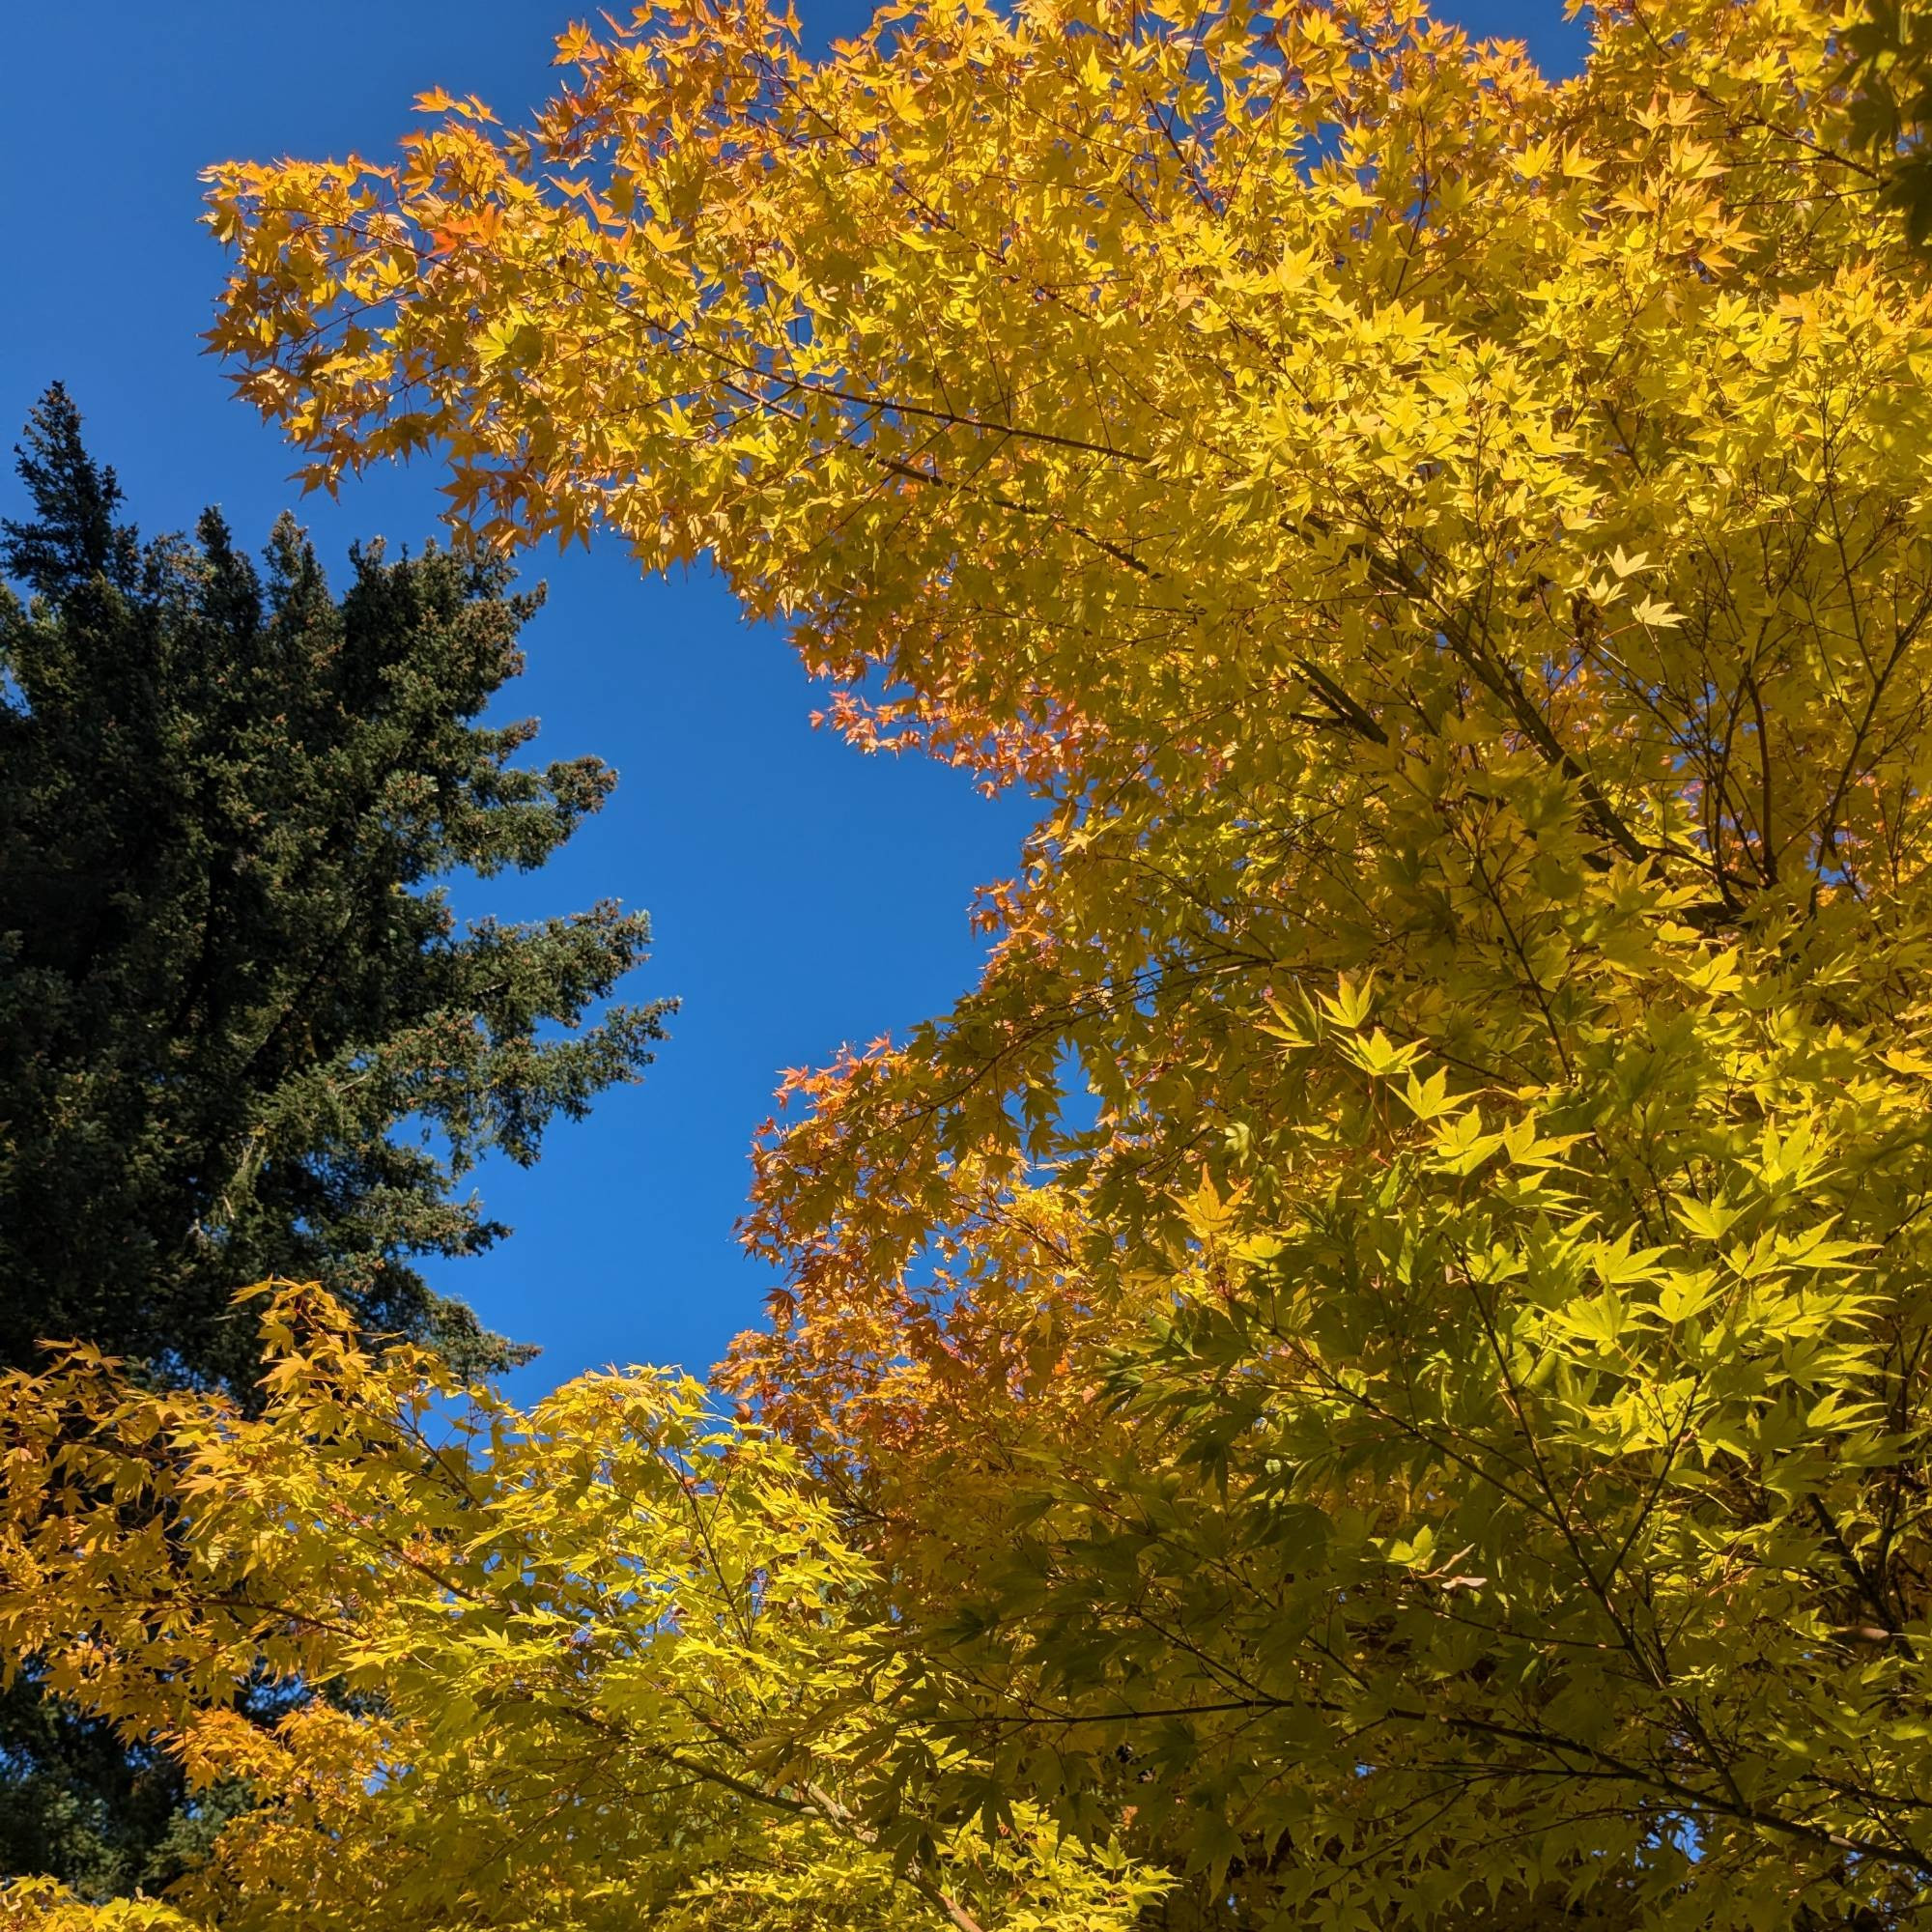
x=803, y=896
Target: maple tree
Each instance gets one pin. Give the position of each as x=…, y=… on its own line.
x=1888, y=48
x=598, y=1664
x=1435, y=1430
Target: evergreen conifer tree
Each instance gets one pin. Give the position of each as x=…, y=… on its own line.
x=240, y=1032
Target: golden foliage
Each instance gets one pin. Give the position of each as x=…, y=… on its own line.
x=1436, y=1432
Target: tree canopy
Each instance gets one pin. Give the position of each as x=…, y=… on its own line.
x=1378, y=1361
x=239, y=1029
x=598, y=1662
x=231, y=972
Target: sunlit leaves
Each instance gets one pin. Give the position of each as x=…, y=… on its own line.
x=566, y=1667
x=1435, y=1433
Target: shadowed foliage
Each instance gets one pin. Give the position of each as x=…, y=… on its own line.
x=241, y=1031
